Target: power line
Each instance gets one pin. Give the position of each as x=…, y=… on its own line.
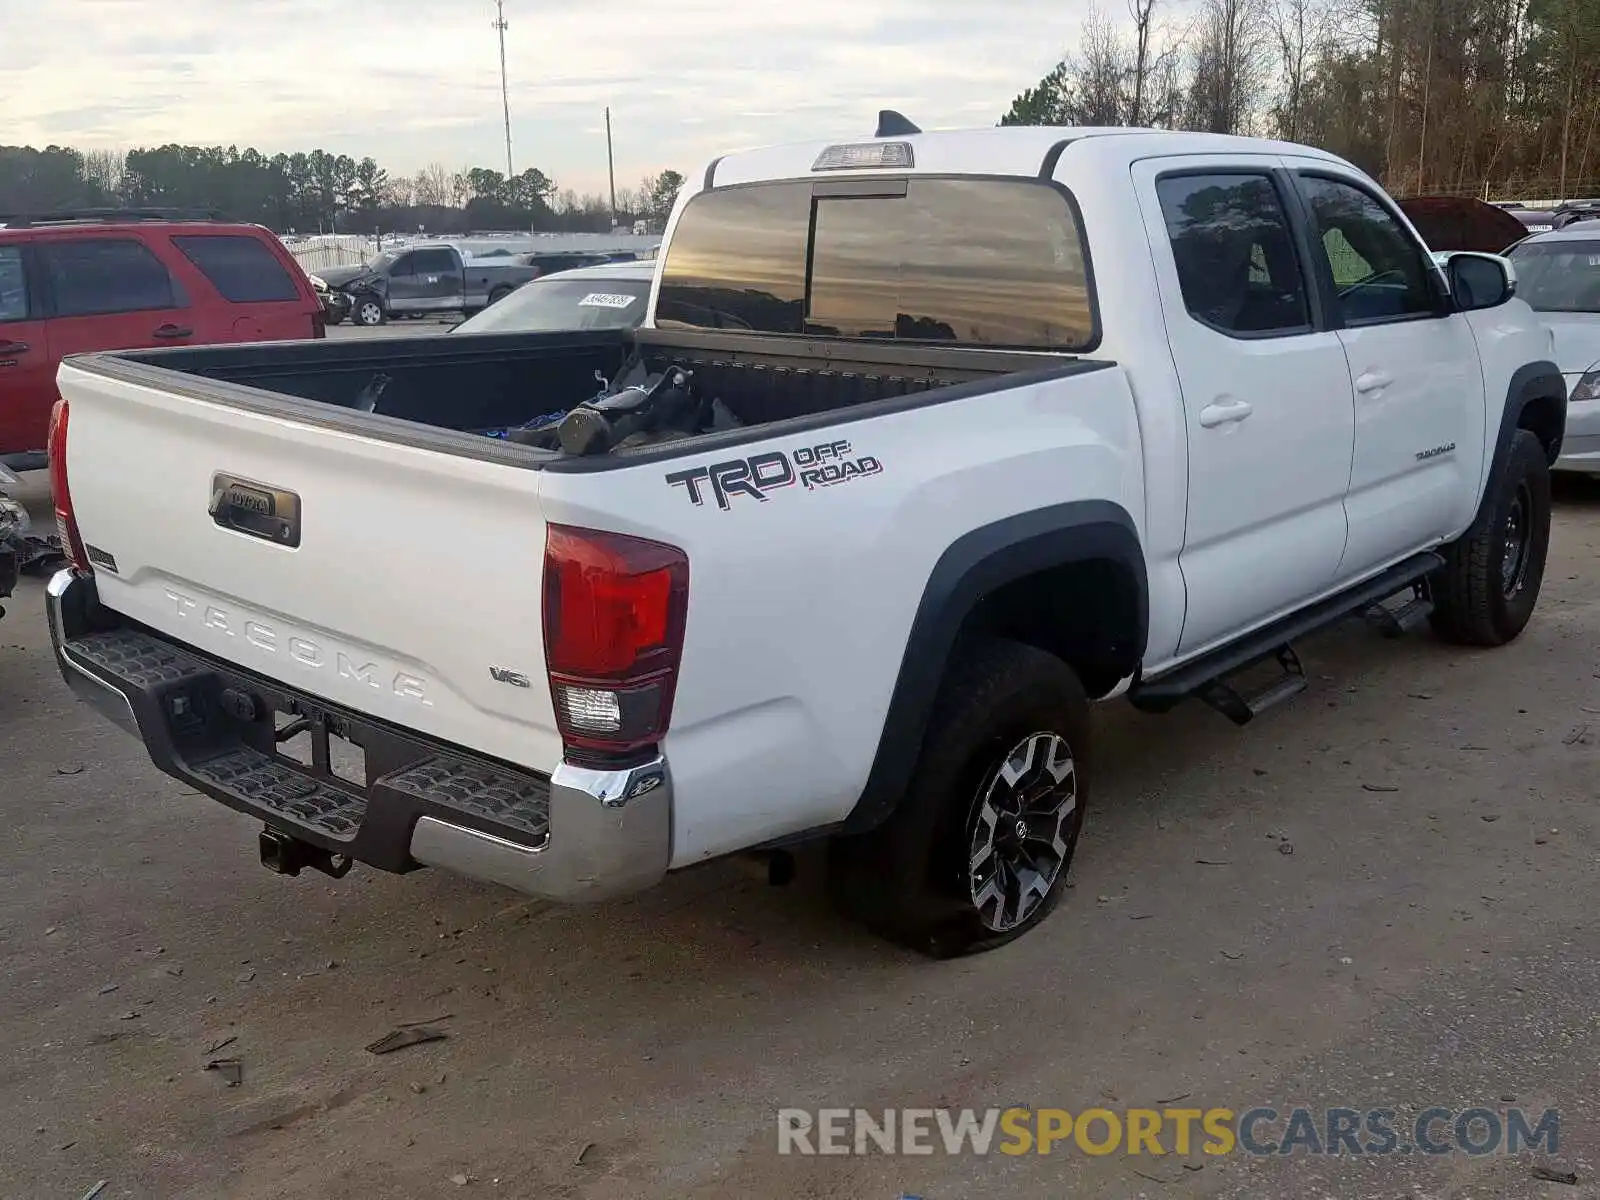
x=505, y=94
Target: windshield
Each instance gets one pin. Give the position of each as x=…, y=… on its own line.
x=556, y=303
x=1559, y=276
x=380, y=261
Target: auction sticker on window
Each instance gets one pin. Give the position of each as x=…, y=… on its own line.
x=606, y=300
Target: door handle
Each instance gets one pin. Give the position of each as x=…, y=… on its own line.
x=1372, y=381
x=173, y=331
x=1224, y=412
x=14, y=347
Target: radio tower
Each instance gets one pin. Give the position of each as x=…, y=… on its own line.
x=505, y=95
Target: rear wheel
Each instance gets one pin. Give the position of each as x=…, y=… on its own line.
x=368, y=311
x=977, y=852
x=499, y=294
x=1490, y=583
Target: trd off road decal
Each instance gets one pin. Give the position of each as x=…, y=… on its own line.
x=810, y=466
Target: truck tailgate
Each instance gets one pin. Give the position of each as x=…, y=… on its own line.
x=345, y=608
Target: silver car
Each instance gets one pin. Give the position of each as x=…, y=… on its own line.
x=1558, y=274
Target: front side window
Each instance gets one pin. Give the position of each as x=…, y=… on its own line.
x=1559, y=276
x=433, y=262
x=13, y=285
x=1234, y=253
x=1379, y=271
x=974, y=262
x=94, y=276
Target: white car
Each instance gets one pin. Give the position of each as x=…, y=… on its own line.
x=608, y=296
x=927, y=442
x=1558, y=274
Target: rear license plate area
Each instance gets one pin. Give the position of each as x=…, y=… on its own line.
x=320, y=744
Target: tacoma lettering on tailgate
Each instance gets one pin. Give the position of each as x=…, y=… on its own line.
x=272, y=642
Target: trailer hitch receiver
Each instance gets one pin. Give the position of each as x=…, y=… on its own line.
x=284, y=854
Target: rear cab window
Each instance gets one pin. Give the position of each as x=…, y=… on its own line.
x=94, y=276
x=243, y=269
x=997, y=263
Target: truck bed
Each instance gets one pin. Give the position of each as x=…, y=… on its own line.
x=441, y=392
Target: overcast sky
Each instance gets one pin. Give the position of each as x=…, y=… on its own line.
x=414, y=81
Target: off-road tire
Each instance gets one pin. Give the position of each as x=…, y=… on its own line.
x=1486, y=592
x=911, y=880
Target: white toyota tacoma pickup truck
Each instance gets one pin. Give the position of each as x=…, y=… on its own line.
x=930, y=440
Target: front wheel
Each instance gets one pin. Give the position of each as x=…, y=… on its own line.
x=368, y=311
x=1486, y=592
x=977, y=852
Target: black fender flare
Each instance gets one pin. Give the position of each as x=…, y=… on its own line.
x=976, y=564
x=1535, y=381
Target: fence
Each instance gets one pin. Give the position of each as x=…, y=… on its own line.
x=332, y=250
x=319, y=251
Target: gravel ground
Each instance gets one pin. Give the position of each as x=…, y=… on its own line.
x=1433, y=938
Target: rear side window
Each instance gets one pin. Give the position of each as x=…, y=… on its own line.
x=978, y=262
x=1234, y=253
x=93, y=276
x=243, y=269
x=13, y=285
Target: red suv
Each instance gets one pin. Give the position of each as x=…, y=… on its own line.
x=117, y=280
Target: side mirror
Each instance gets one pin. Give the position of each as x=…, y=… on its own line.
x=1480, y=280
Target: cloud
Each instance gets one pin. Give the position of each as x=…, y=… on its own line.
x=416, y=81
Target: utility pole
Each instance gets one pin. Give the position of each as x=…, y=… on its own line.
x=611, y=169
x=505, y=94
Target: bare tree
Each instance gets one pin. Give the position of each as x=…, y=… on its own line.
x=1097, y=76
x=1229, y=57
x=432, y=186
x=1143, y=12
x=105, y=169
x=1299, y=28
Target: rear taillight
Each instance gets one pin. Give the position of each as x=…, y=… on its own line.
x=614, y=609
x=66, y=523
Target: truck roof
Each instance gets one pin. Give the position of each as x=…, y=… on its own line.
x=1003, y=150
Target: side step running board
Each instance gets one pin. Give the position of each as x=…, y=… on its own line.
x=1397, y=622
x=1206, y=677
x=1241, y=710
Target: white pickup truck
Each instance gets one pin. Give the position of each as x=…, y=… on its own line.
x=930, y=440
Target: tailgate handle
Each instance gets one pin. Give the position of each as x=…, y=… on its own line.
x=258, y=510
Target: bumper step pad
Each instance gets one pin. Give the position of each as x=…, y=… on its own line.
x=520, y=802
x=136, y=658
x=410, y=776
x=264, y=780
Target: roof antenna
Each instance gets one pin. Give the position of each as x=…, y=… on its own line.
x=893, y=124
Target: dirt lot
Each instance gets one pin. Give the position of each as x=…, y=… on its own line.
x=1433, y=938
